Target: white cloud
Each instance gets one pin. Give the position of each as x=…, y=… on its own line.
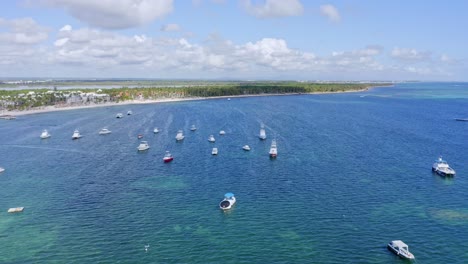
x=112, y=14
x=60, y=42
x=22, y=31
x=274, y=8
x=170, y=27
x=66, y=28
x=410, y=55
x=330, y=12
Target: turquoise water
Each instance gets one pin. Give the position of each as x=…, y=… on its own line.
x=353, y=173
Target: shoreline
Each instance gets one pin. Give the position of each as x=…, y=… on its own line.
x=48, y=109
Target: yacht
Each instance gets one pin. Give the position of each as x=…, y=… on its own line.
x=45, y=134
x=2, y=169
x=156, y=130
x=180, y=135
x=214, y=151
x=228, y=201
x=442, y=168
x=222, y=132
x=76, y=134
x=143, y=146
x=129, y=112
x=400, y=249
x=140, y=136
x=273, y=149
x=262, y=134
x=119, y=115
x=168, y=157
x=211, y=139
x=104, y=131
x=193, y=128
x=246, y=147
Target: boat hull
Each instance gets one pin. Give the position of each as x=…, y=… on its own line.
x=166, y=160
x=398, y=253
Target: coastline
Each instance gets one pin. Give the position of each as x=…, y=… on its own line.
x=47, y=109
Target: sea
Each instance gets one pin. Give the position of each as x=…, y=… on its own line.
x=353, y=173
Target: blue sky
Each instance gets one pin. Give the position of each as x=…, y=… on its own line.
x=235, y=39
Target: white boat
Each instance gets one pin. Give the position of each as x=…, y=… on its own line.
x=45, y=134
x=180, y=135
x=442, y=168
x=246, y=147
x=76, y=134
x=156, y=130
x=2, y=169
x=228, y=201
x=273, y=149
x=119, y=115
x=193, y=128
x=222, y=132
x=143, y=146
x=400, y=249
x=214, y=151
x=129, y=112
x=262, y=134
x=104, y=131
x=168, y=157
x=211, y=139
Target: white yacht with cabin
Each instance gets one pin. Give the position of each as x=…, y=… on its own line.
x=119, y=115
x=129, y=112
x=442, y=168
x=400, y=249
x=273, y=149
x=76, y=134
x=228, y=201
x=45, y=134
x=211, y=139
x=214, y=151
x=246, y=147
x=156, y=130
x=180, y=135
x=2, y=169
x=222, y=132
x=262, y=134
x=193, y=128
x=143, y=146
x=104, y=131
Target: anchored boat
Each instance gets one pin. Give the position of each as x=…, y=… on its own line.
x=442, y=168
x=400, y=249
x=228, y=201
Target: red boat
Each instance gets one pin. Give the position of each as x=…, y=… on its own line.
x=168, y=157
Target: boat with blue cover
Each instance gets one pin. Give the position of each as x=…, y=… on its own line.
x=228, y=201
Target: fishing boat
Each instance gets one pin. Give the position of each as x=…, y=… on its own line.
x=193, y=128
x=119, y=115
x=442, y=168
x=228, y=201
x=222, y=132
x=211, y=139
x=76, y=134
x=180, y=135
x=143, y=146
x=168, y=157
x=104, y=131
x=246, y=147
x=45, y=134
x=214, y=151
x=400, y=249
x=262, y=134
x=273, y=149
x=156, y=130
x=129, y=112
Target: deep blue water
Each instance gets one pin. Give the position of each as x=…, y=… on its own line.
x=353, y=173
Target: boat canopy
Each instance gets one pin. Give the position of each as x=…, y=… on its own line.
x=229, y=195
x=399, y=244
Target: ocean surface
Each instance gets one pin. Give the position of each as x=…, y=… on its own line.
x=353, y=172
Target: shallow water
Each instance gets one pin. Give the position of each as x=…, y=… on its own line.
x=353, y=173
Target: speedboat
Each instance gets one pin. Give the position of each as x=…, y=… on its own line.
x=442, y=168
x=143, y=146
x=129, y=112
x=2, y=169
x=211, y=139
x=168, y=157
x=228, y=201
x=222, y=132
x=214, y=151
x=104, y=131
x=262, y=134
x=140, y=136
x=45, y=134
x=400, y=249
x=273, y=149
x=76, y=134
x=180, y=135
x=156, y=130
x=193, y=128
x=119, y=115
x=246, y=147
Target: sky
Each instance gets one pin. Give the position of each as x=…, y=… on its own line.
x=235, y=39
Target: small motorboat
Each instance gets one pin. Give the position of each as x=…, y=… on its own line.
x=442, y=168
x=76, y=134
x=246, y=147
x=211, y=139
x=45, y=134
x=2, y=169
x=214, y=151
x=104, y=131
x=461, y=119
x=156, y=130
x=143, y=146
x=262, y=134
x=228, y=201
x=180, y=135
x=400, y=249
x=193, y=128
x=129, y=112
x=222, y=132
x=119, y=115
x=140, y=136
x=273, y=149
x=168, y=157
